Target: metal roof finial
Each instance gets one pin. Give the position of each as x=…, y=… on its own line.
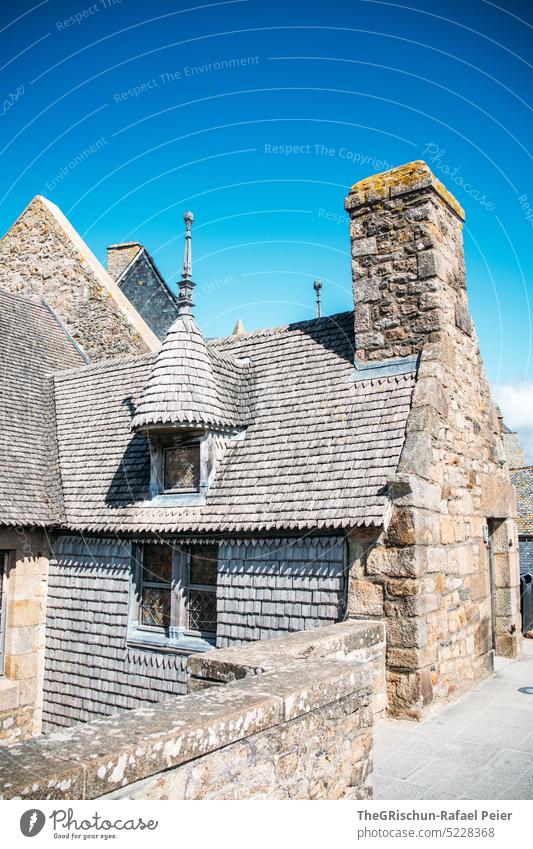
x=186, y=284
x=317, y=285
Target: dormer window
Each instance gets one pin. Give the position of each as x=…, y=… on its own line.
x=176, y=462
x=181, y=468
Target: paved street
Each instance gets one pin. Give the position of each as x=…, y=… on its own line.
x=481, y=747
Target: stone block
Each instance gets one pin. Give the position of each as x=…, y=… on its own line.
x=498, y=497
x=9, y=694
x=365, y=598
x=21, y=666
x=408, y=562
x=401, y=528
x=404, y=587
x=25, y=612
x=411, y=658
x=417, y=454
x=360, y=247
x=429, y=392
x=407, y=633
x=427, y=264
x=412, y=605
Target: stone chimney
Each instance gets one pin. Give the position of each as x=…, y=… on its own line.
x=119, y=257
x=407, y=262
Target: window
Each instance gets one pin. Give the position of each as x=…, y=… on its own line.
x=156, y=584
x=174, y=602
x=182, y=468
x=175, y=463
x=202, y=589
x=3, y=604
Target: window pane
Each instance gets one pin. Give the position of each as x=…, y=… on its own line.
x=182, y=467
x=202, y=610
x=203, y=564
x=157, y=563
x=155, y=607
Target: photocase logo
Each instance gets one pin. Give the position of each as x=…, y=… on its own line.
x=32, y=822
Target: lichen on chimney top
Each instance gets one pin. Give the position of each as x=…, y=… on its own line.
x=399, y=181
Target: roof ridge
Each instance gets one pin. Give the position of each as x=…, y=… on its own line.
x=280, y=328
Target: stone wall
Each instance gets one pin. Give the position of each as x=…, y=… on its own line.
x=301, y=728
x=429, y=574
x=21, y=683
x=357, y=641
x=41, y=254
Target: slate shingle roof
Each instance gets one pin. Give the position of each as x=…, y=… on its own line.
x=316, y=454
x=189, y=385
x=32, y=344
x=523, y=481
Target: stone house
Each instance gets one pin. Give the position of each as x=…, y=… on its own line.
x=162, y=499
x=138, y=277
x=522, y=478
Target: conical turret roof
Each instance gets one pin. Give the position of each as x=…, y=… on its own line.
x=190, y=385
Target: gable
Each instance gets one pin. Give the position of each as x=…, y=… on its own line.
x=145, y=288
x=41, y=254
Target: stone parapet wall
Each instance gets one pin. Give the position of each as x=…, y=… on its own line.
x=301, y=729
x=357, y=641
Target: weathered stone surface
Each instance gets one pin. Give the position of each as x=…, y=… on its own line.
x=288, y=733
x=432, y=559
x=365, y=598
x=41, y=254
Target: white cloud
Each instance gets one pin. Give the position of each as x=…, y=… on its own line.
x=516, y=403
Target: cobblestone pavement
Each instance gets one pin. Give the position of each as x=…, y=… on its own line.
x=480, y=747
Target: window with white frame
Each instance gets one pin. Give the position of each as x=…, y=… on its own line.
x=175, y=463
x=174, y=597
x=3, y=604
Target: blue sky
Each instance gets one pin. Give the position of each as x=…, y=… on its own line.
x=258, y=116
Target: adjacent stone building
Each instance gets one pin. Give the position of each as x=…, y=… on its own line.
x=139, y=278
x=522, y=478
x=212, y=492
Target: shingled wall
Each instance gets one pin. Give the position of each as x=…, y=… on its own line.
x=149, y=294
x=269, y=587
x=90, y=671
x=265, y=588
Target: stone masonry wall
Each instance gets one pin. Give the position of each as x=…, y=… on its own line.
x=430, y=573
x=21, y=683
x=42, y=255
x=299, y=728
